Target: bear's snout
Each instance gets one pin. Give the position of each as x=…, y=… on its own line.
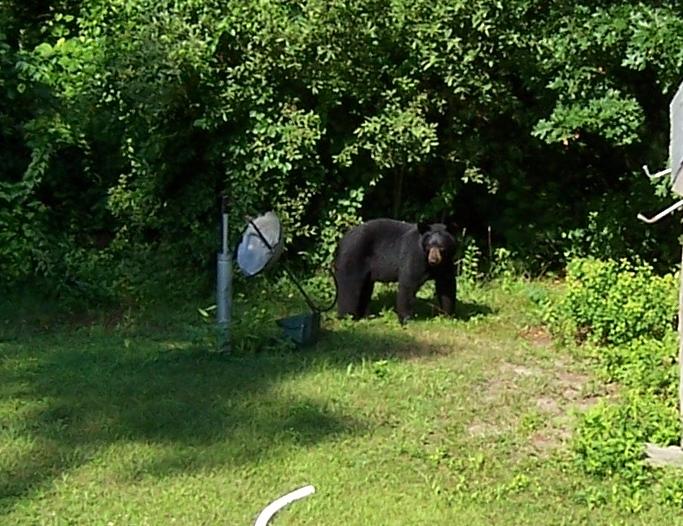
x=434, y=256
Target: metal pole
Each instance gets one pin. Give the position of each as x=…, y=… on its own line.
x=224, y=285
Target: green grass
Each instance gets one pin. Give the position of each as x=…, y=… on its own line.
x=465, y=421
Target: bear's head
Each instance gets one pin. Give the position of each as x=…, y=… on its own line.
x=438, y=242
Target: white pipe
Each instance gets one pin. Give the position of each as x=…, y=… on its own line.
x=661, y=173
x=661, y=214
x=277, y=505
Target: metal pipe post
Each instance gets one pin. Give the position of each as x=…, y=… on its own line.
x=224, y=286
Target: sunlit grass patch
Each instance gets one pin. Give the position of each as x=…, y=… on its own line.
x=443, y=420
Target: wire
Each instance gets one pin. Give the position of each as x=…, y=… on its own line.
x=289, y=273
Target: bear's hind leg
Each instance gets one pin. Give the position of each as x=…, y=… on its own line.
x=349, y=295
x=445, y=292
x=405, y=302
x=365, y=296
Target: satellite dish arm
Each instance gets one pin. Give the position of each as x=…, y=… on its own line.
x=657, y=175
x=661, y=214
x=307, y=298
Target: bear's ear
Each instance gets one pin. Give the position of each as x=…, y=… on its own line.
x=423, y=227
x=452, y=228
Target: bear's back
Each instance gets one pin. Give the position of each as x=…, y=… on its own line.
x=377, y=233
x=378, y=241
x=386, y=229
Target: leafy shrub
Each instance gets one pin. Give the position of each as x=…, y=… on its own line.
x=467, y=266
x=130, y=117
x=613, y=302
x=610, y=230
x=610, y=437
x=670, y=490
x=22, y=238
x=644, y=365
x=624, y=313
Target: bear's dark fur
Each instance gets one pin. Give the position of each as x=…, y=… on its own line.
x=393, y=251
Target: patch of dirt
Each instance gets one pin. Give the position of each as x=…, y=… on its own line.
x=519, y=370
x=544, y=442
x=483, y=429
x=571, y=380
x=551, y=390
x=538, y=336
x=560, y=389
x=548, y=405
x=565, y=390
x=586, y=403
x=503, y=382
x=571, y=386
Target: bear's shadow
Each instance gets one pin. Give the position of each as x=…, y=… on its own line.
x=426, y=308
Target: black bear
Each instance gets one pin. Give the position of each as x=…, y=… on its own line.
x=389, y=251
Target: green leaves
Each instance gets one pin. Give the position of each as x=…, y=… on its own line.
x=592, y=56
x=147, y=110
x=614, y=302
x=625, y=315
x=399, y=136
x=611, y=437
x=612, y=116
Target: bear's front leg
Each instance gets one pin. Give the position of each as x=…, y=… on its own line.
x=445, y=292
x=405, y=302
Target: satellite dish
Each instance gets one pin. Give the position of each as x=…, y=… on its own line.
x=676, y=141
x=261, y=244
x=675, y=157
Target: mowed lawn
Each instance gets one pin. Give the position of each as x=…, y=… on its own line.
x=462, y=421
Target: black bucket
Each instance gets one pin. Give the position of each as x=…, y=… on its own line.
x=302, y=329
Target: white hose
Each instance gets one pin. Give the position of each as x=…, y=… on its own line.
x=277, y=505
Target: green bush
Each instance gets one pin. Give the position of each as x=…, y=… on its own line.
x=468, y=265
x=22, y=235
x=610, y=438
x=131, y=117
x=614, y=302
x=644, y=365
x=623, y=314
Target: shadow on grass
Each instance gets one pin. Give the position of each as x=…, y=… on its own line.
x=425, y=309
x=67, y=397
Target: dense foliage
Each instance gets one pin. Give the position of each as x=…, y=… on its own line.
x=615, y=302
x=122, y=121
x=624, y=316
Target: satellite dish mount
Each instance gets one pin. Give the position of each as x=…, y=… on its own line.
x=260, y=247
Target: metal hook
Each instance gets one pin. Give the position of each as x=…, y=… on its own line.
x=657, y=175
x=661, y=214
